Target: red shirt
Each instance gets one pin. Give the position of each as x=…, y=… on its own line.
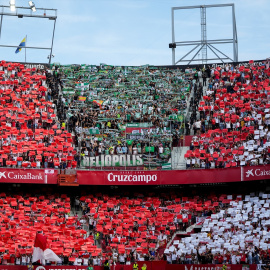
x=220, y=259
x=243, y=257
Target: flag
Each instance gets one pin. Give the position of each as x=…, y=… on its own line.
x=93, y=131
x=98, y=102
x=22, y=44
x=82, y=98
x=41, y=252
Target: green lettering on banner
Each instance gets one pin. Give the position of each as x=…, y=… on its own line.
x=139, y=125
x=166, y=166
x=149, y=149
x=133, y=125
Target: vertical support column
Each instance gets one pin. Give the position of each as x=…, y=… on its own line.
x=173, y=39
x=203, y=34
x=235, y=42
x=1, y=25
x=50, y=58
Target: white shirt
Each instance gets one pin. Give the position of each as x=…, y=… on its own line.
x=121, y=258
x=115, y=255
x=85, y=262
x=95, y=261
x=78, y=261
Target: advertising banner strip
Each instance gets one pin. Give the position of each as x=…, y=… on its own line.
x=28, y=176
x=132, y=178
x=255, y=173
x=166, y=177
x=139, y=177
x=151, y=265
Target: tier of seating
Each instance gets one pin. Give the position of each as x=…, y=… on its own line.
x=233, y=129
x=24, y=216
x=237, y=233
x=109, y=227
x=124, y=110
x=31, y=137
x=139, y=227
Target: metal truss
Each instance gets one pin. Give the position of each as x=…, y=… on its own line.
x=204, y=44
x=45, y=13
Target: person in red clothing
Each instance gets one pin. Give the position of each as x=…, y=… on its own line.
x=12, y=259
x=220, y=258
x=228, y=257
x=243, y=258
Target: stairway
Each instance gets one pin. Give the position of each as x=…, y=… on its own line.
x=178, y=158
x=188, y=231
x=178, y=153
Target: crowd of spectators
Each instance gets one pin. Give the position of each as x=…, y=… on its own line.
x=134, y=229
x=24, y=216
x=99, y=227
x=31, y=136
x=232, y=127
x=125, y=229
x=101, y=103
x=47, y=114
x=237, y=234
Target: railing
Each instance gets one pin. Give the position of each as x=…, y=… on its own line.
x=139, y=177
x=151, y=265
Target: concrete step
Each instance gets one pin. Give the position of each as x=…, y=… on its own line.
x=178, y=159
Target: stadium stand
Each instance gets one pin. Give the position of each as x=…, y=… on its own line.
x=124, y=110
x=237, y=233
x=54, y=119
x=127, y=226
x=24, y=216
x=232, y=128
x=30, y=134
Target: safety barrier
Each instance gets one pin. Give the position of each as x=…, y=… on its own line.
x=158, y=177
x=153, y=265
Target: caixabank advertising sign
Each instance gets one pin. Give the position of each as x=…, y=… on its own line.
x=28, y=176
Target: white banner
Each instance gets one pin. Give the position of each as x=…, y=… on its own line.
x=113, y=160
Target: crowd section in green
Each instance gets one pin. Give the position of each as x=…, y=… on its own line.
x=128, y=111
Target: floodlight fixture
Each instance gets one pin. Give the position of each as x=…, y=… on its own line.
x=28, y=11
x=32, y=6
x=12, y=5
